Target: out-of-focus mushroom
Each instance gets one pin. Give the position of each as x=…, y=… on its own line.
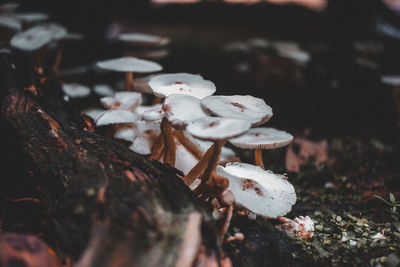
x=262, y=138
x=143, y=39
x=31, y=17
x=257, y=190
x=244, y=107
x=75, y=90
x=103, y=90
x=164, y=85
x=122, y=101
x=10, y=23
x=292, y=51
x=218, y=130
x=129, y=65
x=8, y=7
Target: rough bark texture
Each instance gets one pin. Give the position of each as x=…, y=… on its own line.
x=88, y=197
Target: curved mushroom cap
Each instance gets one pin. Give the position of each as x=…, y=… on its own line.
x=122, y=101
x=103, y=90
x=180, y=110
x=129, y=64
x=75, y=90
x=258, y=190
x=265, y=138
x=31, y=17
x=392, y=80
x=213, y=128
x=296, y=54
x=38, y=36
x=259, y=42
x=10, y=23
x=243, y=107
x=143, y=39
x=153, y=113
x=93, y=113
x=181, y=83
x=116, y=116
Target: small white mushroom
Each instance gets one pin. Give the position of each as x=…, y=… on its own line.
x=262, y=138
x=302, y=227
x=181, y=83
x=116, y=116
x=129, y=65
x=31, y=17
x=143, y=39
x=10, y=23
x=260, y=191
x=93, y=113
x=243, y=107
x=75, y=90
x=122, y=101
x=153, y=113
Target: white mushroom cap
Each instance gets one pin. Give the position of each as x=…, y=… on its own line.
x=213, y=128
x=185, y=160
x=182, y=109
x=258, y=190
x=302, y=227
x=259, y=43
x=265, y=138
x=393, y=80
x=181, y=83
x=116, y=116
x=244, y=107
x=153, y=113
x=38, y=36
x=10, y=23
x=103, y=90
x=146, y=135
x=122, y=101
x=127, y=133
x=31, y=16
x=75, y=90
x=143, y=39
x=129, y=64
x=296, y=54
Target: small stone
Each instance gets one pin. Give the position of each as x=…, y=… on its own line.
x=339, y=218
x=353, y=242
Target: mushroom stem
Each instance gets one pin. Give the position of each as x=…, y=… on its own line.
x=212, y=163
x=58, y=59
x=169, y=143
x=129, y=81
x=258, y=159
x=157, y=148
x=199, y=168
x=227, y=222
x=189, y=145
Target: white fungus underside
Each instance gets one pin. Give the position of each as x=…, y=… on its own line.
x=75, y=90
x=266, y=138
x=116, y=116
x=122, y=101
x=182, y=109
x=212, y=128
x=129, y=64
x=277, y=194
x=243, y=107
x=181, y=83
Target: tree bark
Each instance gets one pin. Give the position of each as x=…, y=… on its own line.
x=96, y=202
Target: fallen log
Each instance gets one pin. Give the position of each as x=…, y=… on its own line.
x=99, y=203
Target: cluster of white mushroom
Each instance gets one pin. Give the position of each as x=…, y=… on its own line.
x=189, y=129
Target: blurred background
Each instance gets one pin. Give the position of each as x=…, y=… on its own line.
x=318, y=63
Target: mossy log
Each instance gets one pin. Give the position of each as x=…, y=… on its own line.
x=95, y=202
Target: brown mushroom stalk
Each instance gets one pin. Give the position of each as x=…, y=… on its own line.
x=189, y=145
x=129, y=81
x=157, y=148
x=169, y=143
x=258, y=158
x=57, y=61
x=200, y=167
x=212, y=163
x=227, y=222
